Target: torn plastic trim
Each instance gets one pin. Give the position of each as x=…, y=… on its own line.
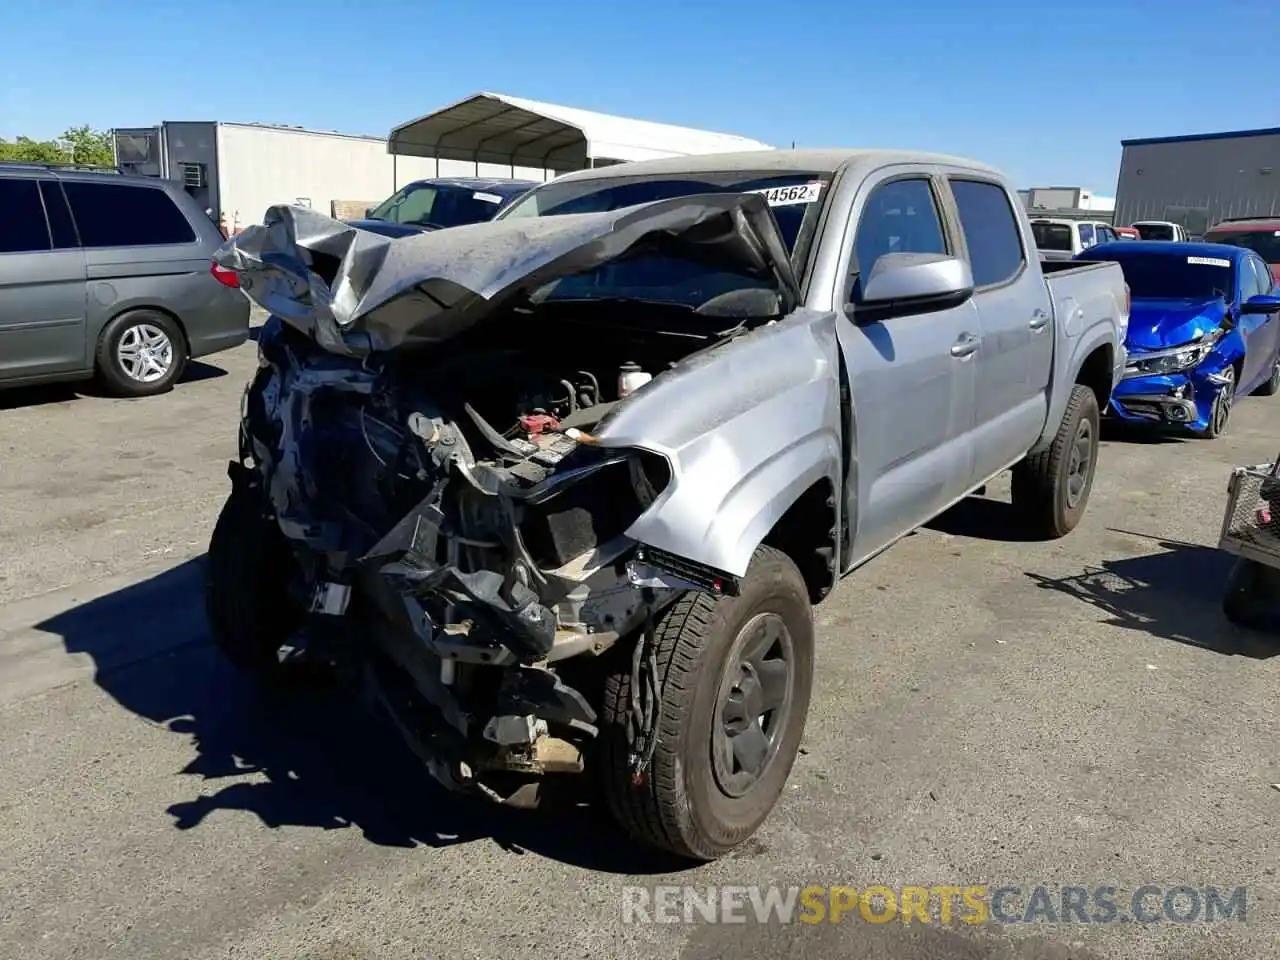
x=657, y=568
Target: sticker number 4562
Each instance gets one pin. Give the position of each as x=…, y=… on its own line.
x=797, y=193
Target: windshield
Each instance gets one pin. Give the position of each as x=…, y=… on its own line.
x=1158, y=276
x=437, y=206
x=794, y=198
x=1265, y=243
x=1051, y=236
x=1154, y=231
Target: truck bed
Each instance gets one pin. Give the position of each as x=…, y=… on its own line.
x=1055, y=262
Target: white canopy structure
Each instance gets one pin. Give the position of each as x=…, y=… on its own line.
x=496, y=128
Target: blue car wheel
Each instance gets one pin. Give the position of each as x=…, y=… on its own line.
x=1272, y=386
x=1220, y=412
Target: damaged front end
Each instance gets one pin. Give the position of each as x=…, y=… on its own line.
x=458, y=531
x=461, y=563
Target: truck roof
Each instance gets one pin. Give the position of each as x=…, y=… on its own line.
x=780, y=161
x=1257, y=223
x=1217, y=251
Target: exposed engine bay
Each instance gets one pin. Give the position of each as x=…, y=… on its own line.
x=455, y=503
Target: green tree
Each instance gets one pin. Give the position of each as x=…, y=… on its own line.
x=80, y=145
x=33, y=151
x=90, y=147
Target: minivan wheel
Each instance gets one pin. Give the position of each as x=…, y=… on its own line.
x=141, y=353
x=247, y=601
x=736, y=674
x=1051, y=489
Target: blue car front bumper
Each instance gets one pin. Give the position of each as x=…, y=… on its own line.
x=1170, y=400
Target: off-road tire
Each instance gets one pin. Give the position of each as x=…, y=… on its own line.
x=112, y=376
x=1040, y=482
x=678, y=806
x=1272, y=386
x=1251, y=594
x=247, y=603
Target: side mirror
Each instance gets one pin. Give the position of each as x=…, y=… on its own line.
x=1262, y=303
x=368, y=212
x=916, y=283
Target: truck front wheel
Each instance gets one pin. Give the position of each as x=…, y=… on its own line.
x=1051, y=488
x=247, y=603
x=735, y=676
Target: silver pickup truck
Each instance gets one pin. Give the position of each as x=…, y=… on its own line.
x=564, y=486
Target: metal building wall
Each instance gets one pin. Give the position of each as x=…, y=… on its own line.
x=1197, y=182
x=194, y=143
x=258, y=166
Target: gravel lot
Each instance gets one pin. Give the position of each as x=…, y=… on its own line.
x=987, y=711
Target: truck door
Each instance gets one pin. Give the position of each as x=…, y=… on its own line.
x=42, y=286
x=1015, y=357
x=911, y=376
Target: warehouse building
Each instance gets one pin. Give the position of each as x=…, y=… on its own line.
x=1200, y=179
x=238, y=170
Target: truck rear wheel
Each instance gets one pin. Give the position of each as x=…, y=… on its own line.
x=247, y=602
x=735, y=674
x=1052, y=488
x=1250, y=597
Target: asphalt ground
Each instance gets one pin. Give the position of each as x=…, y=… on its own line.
x=988, y=712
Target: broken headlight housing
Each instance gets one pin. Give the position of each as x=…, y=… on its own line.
x=1173, y=360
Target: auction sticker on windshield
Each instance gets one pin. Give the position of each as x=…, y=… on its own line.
x=1209, y=261
x=487, y=197
x=796, y=193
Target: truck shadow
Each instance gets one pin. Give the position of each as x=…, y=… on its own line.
x=304, y=754
x=1175, y=595
x=982, y=518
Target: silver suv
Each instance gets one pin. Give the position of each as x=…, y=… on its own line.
x=108, y=275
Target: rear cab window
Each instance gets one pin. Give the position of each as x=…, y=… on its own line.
x=990, y=230
x=1051, y=236
x=1154, y=231
x=126, y=215
x=23, y=227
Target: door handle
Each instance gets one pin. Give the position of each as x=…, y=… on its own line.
x=1038, y=320
x=965, y=346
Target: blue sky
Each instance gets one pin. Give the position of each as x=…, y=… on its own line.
x=1046, y=94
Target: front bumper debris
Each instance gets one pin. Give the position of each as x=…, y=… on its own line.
x=1173, y=400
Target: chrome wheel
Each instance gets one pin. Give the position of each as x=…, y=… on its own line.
x=753, y=704
x=1079, y=463
x=145, y=353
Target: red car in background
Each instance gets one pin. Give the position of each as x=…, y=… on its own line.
x=1259, y=234
x=1128, y=233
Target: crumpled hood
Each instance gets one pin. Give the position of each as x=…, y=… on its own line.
x=356, y=292
x=1157, y=324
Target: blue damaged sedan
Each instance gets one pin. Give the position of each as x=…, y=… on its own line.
x=1204, y=328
